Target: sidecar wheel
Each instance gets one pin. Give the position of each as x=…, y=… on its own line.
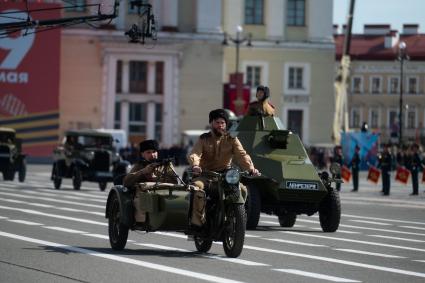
x=202, y=245
x=234, y=230
x=118, y=232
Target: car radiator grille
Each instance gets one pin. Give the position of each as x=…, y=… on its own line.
x=101, y=161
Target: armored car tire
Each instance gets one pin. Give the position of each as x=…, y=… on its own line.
x=234, y=230
x=330, y=211
x=202, y=245
x=77, y=178
x=118, y=232
x=102, y=186
x=22, y=171
x=252, y=207
x=287, y=219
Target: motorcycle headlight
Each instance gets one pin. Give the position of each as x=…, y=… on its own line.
x=232, y=176
x=90, y=155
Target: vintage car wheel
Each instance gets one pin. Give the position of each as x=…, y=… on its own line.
x=118, y=232
x=202, y=245
x=330, y=211
x=9, y=174
x=57, y=181
x=234, y=230
x=102, y=186
x=287, y=219
x=22, y=171
x=77, y=178
x=252, y=207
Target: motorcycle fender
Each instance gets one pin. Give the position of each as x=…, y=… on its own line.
x=239, y=200
x=126, y=204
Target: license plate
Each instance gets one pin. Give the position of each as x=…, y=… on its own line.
x=301, y=185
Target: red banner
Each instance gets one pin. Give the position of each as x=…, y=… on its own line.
x=29, y=78
x=402, y=175
x=234, y=100
x=345, y=173
x=373, y=174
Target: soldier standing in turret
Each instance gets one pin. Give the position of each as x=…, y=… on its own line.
x=385, y=161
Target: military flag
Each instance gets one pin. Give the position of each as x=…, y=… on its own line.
x=373, y=174
x=402, y=175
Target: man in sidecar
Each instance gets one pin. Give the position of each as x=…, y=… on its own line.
x=148, y=169
x=215, y=151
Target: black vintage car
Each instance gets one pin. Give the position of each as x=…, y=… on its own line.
x=87, y=155
x=11, y=158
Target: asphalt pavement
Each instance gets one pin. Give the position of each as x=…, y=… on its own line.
x=49, y=235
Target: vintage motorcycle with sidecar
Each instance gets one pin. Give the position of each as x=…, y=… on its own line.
x=168, y=207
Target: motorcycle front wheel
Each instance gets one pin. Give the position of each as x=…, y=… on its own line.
x=234, y=231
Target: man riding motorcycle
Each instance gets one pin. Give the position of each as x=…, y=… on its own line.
x=214, y=151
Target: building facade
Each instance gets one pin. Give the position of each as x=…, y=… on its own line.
x=376, y=76
x=292, y=50
x=162, y=88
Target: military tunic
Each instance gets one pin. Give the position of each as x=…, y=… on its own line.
x=355, y=166
x=141, y=173
x=263, y=108
x=415, y=165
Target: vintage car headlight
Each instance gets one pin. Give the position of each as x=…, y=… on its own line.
x=89, y=155
x=128, y=168
x=335, y=168
x=232, y=176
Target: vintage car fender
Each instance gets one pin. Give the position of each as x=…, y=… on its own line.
x=80, y=163
x=125, y=199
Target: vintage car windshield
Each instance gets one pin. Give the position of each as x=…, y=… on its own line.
x=94, y=141
x=7, y=137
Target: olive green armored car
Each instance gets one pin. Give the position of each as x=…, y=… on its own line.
x=290, y=185
x=87, y=155
x=11, y=158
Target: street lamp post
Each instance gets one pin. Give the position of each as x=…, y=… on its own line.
x=238, y=40
x=402, y=55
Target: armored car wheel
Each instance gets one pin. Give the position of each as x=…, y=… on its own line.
x=287, y=219
x=118, y=232
x=22, y=171
x=202, y=245
x=77, y=178
x=102, y=186
x=252, y=207
x=330, y=211
x=234, y=230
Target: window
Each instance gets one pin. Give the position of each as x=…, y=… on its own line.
x=295, y=78
x=118, y=79
x=158, y=121
x=375, y=85
x=295, y=15
x=117, y=115
x=357, y=85
x=137, y=119
x=75, y=6
x=253, y=76
x=159, y=77
x=394, y=87
x=254, y=12
x=393, y=120
x=138, y=77
x=411, y=118
x=412, y=84
x=355, y=118
x=374, y=118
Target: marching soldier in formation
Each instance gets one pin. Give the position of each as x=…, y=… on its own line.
x=355, y=167
x=338, y=158
x=385, y=162
x=415, y=166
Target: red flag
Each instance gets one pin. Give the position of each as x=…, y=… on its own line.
x=345, y=173
x=423, y=176
x=373, y=174
x=402, y=175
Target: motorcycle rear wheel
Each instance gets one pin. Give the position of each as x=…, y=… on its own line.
x=234, y=231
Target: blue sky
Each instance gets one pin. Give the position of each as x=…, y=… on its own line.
x=394, y=12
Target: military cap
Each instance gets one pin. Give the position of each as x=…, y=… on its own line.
x=149, y=145
x=219, y=113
